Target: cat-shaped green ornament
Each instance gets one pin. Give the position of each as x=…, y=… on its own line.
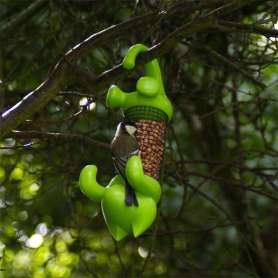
x=148, y=102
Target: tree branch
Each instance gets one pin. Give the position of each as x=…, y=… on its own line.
x=251, y=28
x=234, y=65
x=37, y=99
x=58, y=136
x=22, y=16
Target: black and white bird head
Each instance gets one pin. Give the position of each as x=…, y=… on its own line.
x=126, y=128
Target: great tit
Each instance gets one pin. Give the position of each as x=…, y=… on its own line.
x=124, y=145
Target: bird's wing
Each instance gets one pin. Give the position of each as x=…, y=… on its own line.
x=119, y=164
x=128, y=147
x=122, y=148
x=130, y=197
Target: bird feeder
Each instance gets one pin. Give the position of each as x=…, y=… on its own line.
x=150, y=109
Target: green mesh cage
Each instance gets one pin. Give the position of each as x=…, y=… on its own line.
x=136, y=113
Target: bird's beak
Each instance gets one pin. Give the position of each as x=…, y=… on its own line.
x=130, y=129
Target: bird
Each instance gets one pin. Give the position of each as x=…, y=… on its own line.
x=124, y=145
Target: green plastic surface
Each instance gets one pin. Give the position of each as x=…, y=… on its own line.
x=121, y=219
x=137, y=113
x=149, y=88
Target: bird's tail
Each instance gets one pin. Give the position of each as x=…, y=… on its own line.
x=130, y=196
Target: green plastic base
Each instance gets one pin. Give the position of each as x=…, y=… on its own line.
x=136, y=113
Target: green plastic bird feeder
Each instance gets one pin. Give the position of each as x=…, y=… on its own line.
x=150, y=109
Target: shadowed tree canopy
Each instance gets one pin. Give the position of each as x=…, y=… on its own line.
x=218, y=212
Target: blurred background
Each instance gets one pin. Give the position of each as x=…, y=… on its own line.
x=218, y=212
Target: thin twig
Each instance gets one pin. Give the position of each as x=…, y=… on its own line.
x=58, y=136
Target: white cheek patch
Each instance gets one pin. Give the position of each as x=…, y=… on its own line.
x=130, y=129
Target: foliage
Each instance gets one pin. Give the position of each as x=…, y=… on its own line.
x=218, y=211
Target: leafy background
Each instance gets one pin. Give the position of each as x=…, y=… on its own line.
x=218, y=213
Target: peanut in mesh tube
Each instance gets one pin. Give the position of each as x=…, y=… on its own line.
x=150, y=136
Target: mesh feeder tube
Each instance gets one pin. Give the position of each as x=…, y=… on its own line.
x=151, y=128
